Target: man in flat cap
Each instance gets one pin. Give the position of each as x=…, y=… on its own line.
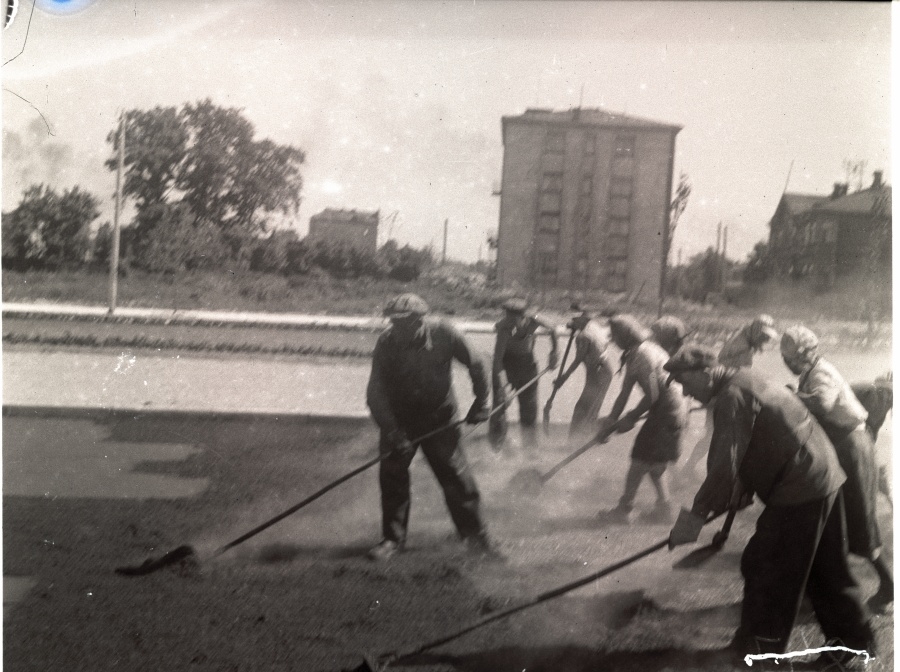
x=765, y=442
x=831, y=400
x=515, y=362
x=410, y=395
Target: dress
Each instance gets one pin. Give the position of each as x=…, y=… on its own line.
x=842, y=416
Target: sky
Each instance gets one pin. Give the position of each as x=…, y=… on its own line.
x=398, y=105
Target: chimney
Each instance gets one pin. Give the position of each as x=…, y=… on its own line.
x=876, y=179
x=836, y=193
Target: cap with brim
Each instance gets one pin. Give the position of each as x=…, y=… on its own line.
x=405, y=305
x=515, y=305
x=799, y=342
x=691, y=358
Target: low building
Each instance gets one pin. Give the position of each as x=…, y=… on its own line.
x=356, y=228
x=584, y=200
x=825, y=237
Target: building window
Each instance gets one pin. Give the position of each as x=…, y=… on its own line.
x=552, y=182
x=624, y=145
x=620, y=207
x=623, y=167
x=590, y=144
x=619, y=227
x=550, y=222
x=551, y=202
x=620, y=186
x=617, y=247
x=617, y=276
x=556, y=142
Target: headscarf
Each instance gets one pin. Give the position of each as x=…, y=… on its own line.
x=761, y=330
x=669, y=332
x=799, y=343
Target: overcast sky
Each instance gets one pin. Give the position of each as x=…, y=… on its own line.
x=398, y=104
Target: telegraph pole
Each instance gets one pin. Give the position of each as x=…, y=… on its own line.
x=114, y=254
x=444, y=258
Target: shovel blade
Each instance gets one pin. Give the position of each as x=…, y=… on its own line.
x=150, y=565
x=527, y=482
x=697, y=557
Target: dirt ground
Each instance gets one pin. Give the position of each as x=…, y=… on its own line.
x=303, y=596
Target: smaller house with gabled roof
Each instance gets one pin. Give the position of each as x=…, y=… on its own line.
x=826, y=237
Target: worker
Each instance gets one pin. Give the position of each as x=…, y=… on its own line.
x=590, y=350
x=737, y=352
x=766, y=442
x=410, y=395
x=515, y=363
x=877, y=398
x=657, y=444
x=670, y=333
x=831, y=400
x=740, y=349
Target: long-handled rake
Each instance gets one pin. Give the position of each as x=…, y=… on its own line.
x=556, y=386
x=380, y=663
x=530, y=481
x=185, y=551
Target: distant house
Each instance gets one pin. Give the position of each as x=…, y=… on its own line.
x=826, y=237
x=351, y=227
x=584, y=200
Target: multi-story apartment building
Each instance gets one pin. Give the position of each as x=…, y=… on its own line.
x=351, y=227
x=584, y=200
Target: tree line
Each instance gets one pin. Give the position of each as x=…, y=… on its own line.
x=205, y=193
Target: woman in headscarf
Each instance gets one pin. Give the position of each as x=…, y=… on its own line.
x=658, y=443
x=831, y=400
x=739, y=350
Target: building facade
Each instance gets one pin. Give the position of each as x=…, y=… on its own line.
x=584, y=200
x=826, y=237
x=349, y=227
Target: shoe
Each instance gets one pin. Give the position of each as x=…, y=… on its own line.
x=481, y=545
x=661, y=514
x=617, y=516
x=387, y=549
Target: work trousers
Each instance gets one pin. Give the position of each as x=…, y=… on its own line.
x=796, y=550
x=587, y=408
x=519, y=373
x=448, y=463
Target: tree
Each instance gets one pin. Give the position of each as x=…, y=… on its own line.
x=49, y=230
x=179, y=241
x=759, y=264
x=205, y=157
x=676, y=209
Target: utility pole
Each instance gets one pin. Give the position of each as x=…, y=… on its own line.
x=724, y=260
x=444, y=258
x=114, y=254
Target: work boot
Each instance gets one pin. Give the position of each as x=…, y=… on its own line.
x=387, y=549
x=481, y=545
x=621, y=515
x=661, y=514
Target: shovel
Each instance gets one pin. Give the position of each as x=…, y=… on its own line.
x=185, y=551
x=697, y=557
x=530, y=481
x=556, y=385
x=381, y=662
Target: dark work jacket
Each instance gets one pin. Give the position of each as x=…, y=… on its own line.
x=410, y=386
x=764, y=436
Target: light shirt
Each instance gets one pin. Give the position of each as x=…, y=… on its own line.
x=829, y=397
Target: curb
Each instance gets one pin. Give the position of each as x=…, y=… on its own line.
x=168, y=414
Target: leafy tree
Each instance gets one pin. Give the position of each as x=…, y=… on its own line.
x=205, y=157
x=759, y=264
x=48, y=229
x=179, y=241
x=676, y=209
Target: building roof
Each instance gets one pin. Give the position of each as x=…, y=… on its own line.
x=588, y=116
x=350, y=216
x=862, y=202
x=797, y=203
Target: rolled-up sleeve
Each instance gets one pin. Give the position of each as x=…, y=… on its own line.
x=820, y=391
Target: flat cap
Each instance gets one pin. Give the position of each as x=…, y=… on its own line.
x=669, y=330
x=515, y=305
x=692, y=357
x=406, y=305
